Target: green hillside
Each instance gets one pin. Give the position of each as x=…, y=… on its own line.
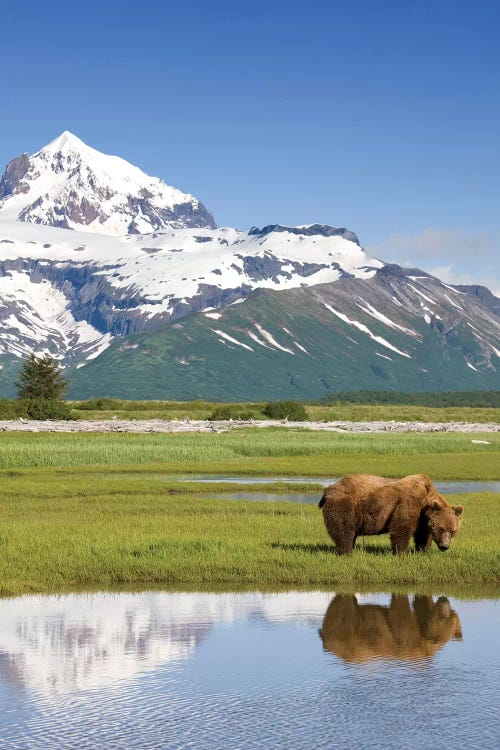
x=320, y=354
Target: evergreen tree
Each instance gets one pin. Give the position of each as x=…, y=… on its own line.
x=40, y=378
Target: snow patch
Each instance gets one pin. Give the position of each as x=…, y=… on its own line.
x=271, y=340
x=421, y=294
x=459, y=307
x=213, y=315
x=452, y=288
x=255, y=338
x=227, y=337
x=370, y=310
x=366, y=330
x=302, y=349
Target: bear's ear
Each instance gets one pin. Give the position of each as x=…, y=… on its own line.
x=459, y=509
x=435, y=505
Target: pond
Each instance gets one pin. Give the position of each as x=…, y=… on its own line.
x=249, y=670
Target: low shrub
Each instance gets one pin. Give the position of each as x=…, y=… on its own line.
x=44, y=408
x=10, y=409
x=226, y=412
x=291, y=410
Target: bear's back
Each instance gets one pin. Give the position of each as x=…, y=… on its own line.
x=354, y=488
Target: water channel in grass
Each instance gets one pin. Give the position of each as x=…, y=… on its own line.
x=446, y=488
x=302, y=670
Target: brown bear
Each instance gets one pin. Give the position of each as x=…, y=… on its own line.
x=362, y=504
x=361, y=632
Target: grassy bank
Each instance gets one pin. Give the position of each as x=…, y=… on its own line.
x=91, y=531
x=251, y=451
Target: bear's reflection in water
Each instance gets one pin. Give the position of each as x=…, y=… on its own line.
x=403, y=630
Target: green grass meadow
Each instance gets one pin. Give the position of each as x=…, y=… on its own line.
x=88, y=511
x=88, y=532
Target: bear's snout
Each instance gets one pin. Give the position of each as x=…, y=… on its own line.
x=443, y=547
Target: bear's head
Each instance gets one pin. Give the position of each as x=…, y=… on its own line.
x=444, y=522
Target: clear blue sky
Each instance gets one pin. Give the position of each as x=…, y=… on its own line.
x=383, y=116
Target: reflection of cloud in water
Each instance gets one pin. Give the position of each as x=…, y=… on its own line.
x=61, y=644
x=58, y=644
x=358, y=632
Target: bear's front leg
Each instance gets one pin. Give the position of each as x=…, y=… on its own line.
x=422, y=535
x=344, y=545
x=400, y=536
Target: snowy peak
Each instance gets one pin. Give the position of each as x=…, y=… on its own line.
x=66, y=141
x=70, y=185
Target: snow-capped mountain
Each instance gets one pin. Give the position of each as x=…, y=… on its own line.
x=100, y=265
x=70, y=185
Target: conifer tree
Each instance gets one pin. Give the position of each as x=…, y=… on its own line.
x=40, y=378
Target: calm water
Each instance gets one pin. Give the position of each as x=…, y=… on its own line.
x=450, y=487
x=295, y=670
x=446, y=488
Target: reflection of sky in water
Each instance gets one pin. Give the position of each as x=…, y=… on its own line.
x=247, y=670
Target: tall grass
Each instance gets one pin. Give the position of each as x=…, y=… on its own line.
x=253, y=451
x=402, y=413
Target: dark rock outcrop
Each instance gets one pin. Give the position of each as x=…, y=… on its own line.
x=10, y=184
x=322, y=230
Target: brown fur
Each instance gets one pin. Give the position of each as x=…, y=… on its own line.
x=363, y=504
x=360, y=632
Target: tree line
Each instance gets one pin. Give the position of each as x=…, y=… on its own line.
x=477, y=399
